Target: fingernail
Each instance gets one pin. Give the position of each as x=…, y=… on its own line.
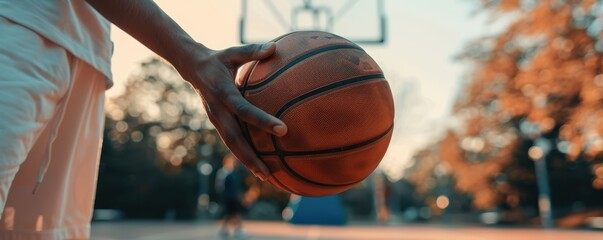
x=261, y=176
x=280, y=130
x=266, y=46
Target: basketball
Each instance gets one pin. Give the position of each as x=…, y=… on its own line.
x=336, y=103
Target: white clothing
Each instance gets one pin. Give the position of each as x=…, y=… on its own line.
x=72, y=24
x=51, y=111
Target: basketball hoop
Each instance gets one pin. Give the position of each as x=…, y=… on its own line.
x=361, y=21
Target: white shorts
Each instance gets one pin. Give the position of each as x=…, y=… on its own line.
x=51, y=112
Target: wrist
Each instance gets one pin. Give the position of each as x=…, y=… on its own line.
x=186, y=55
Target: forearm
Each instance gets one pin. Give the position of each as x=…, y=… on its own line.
x=147, y=23
x=210, y=72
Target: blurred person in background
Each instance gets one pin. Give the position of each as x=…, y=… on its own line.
x=381, y=195
x=229, y=188
x=54, y=68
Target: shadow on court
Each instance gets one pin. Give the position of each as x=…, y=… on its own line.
x=279, y=230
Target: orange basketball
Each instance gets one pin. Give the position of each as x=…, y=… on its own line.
x=336, y=103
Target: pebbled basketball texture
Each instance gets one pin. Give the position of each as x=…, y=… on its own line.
x=336, y=103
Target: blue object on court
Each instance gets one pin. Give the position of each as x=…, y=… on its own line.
x=326, y=210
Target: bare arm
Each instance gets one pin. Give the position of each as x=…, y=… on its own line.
x=210, y=72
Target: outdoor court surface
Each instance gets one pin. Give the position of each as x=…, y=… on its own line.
x=279, y=230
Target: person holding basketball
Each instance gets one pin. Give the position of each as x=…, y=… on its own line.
x=54, y=69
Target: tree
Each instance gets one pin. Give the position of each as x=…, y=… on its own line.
x=155, y=134
x=540, y=78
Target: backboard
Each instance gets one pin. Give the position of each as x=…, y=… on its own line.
x=361, y=21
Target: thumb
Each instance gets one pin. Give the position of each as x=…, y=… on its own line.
x=240, y=55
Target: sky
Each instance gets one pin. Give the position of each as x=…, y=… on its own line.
x=424, y=36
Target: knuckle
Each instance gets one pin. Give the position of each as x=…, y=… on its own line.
x=237, y=103
x=242, y=109
x=221, y=90
x=229, y=51
x=226, y=55
x=250, y=49
x=234, y=51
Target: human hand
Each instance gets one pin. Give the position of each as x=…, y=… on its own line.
x=210, y=72
x=212, y=75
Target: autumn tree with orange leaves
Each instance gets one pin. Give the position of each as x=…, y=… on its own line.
x=540, y=78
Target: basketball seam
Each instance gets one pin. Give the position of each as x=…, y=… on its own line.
x=248, y=74
x=296, y=61
x=329, y=150
x=280, y=155
x=295, y=174
x=327, y=88
x=280, y=184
